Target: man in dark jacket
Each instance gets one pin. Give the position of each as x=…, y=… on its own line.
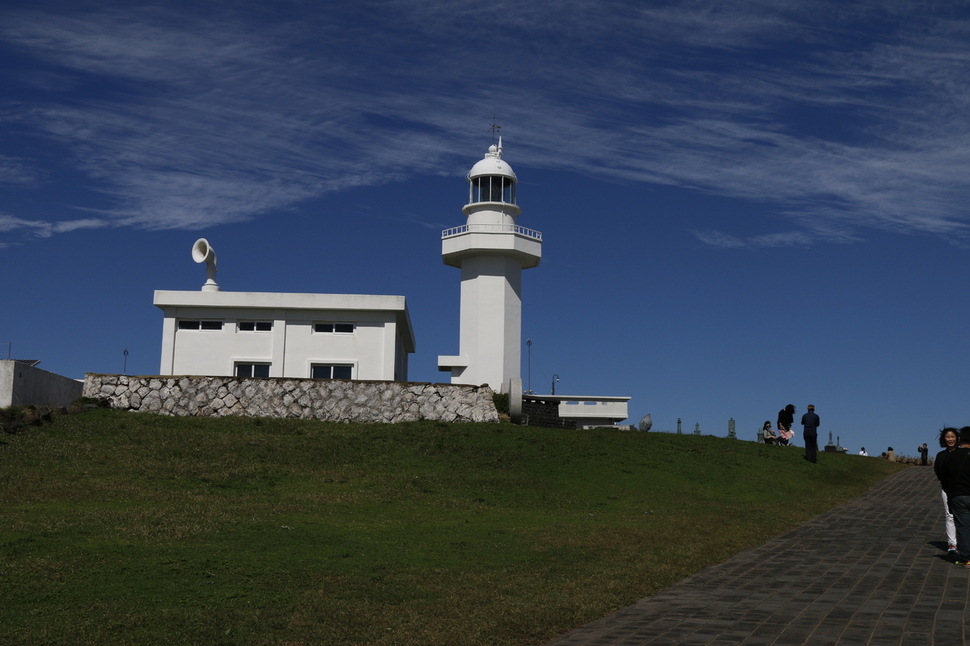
x=810, y=423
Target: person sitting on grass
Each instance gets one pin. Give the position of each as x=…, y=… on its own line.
x=768, y=434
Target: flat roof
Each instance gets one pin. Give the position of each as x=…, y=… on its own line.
x=283, y=300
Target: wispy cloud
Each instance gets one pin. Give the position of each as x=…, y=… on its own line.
x=42, y=229
x=188, y=121
x=17, y=171
x=729, y=241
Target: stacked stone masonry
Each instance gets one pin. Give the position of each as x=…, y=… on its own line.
x=321, y=399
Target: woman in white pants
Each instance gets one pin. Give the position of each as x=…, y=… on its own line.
x=949, y=441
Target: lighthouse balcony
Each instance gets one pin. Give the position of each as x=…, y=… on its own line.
x=492, y=228
x=491, y=239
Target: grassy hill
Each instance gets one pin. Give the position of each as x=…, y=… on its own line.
x=121, y=528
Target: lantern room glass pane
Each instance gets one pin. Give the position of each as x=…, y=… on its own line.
x=492, y=188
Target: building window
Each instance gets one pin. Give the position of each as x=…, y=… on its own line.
x=334, y=328
x=260, y=370
x=200, y=325
x=255, y=326
x=331, y=371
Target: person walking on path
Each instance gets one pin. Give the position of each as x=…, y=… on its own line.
x=923, y=453
x=956, y=482
x=810, y=423
x=948, y=440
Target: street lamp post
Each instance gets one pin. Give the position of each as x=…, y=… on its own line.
x=528, y=342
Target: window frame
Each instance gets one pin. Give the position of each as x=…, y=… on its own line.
x=236, y=365
x=201, y=325
x=255, y=323
x=333, y=327
x=332, y=366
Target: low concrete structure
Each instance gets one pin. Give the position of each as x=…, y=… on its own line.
x=23, y=385
x=570, y=411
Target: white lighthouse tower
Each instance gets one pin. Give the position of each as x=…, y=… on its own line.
x=491, y=250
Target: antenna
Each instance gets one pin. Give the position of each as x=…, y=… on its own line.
x=494, y=129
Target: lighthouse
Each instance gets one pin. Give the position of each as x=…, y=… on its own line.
x=491, y=249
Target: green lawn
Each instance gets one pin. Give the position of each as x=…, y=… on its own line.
x=121, y=528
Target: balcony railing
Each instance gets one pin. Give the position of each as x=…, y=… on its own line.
x=492, y=228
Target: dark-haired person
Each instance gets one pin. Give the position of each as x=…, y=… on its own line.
x=767, y=434
x=955, y=477
x=949, y=441
x=786, y=417
x=924, y=451
x=810, y=423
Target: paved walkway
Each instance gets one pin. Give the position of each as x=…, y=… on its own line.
x=870, y=571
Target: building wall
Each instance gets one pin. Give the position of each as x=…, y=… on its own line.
x=22, y=385
x=491, y=320
x=537, y=411
x=291, y=347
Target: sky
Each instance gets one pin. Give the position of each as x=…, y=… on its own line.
x=743, y=205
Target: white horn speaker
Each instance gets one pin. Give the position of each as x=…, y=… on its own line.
x=202, y=251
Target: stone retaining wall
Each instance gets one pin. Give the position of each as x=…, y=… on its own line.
x=323, y=399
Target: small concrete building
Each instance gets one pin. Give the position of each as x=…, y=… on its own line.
x=270, y=334
x=23, y=384
x=571, y=411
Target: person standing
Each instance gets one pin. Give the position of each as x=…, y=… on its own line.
x=786, y=417
x=949, y=441
x=810, y=423
x=923, y=453
x=955, y=478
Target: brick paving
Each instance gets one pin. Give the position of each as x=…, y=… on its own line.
x=871, y=571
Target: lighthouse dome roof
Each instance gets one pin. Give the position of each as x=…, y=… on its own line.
x=492, y=164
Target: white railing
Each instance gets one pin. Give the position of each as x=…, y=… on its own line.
x=492, y=228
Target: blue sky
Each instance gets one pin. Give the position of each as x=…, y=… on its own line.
x=743, y=205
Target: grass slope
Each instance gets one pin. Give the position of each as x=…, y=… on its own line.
x=120, y=528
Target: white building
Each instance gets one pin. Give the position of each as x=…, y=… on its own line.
x=491, y=250
x=255, y=334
